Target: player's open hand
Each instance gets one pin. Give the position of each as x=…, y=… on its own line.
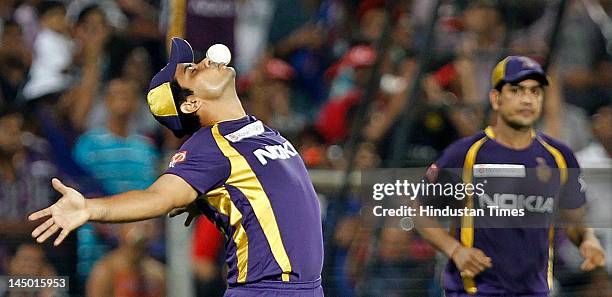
x=191, y=210
x=470, y=261
x=67, y=214
x=593, y=254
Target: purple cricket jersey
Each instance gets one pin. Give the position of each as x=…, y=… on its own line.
x=521, y=256
x=255, y=187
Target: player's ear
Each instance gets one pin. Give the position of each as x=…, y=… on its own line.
x=191, y=104
x=494, y=96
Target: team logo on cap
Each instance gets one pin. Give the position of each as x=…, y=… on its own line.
x=528, y=63
x=178, y=158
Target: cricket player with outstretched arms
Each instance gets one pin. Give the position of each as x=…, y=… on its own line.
x=244, y=176
x=517, y=260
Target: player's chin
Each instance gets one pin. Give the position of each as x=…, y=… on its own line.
x=521, y=123
x=231, y=71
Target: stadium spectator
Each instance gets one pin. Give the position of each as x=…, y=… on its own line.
x=26, y=16
x=137, y=68
x=25, y=169
x=585, y=56
x=564, y=120
x=129, y=271
x=350, y=77
x=24, y=180
x=53, y=53
x=480, y=42
x=115, y=44
x=110, y=8
x=135, y=168
x=15, y=59
x=344, y=235
x=143, y=19
x=6, y=10
x=252, y=25
x=62, y=115
x=599, y=152
x=30, y=260
x=312, y=148
x=298, y=35
x=270, y=97
x=371, y=17
x=450, y=108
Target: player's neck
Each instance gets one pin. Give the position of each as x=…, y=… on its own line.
x=517, y=139
x=226, y=108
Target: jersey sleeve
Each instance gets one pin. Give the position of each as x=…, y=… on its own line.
x=572, y=193
x=200, y=163
x=448, y=168
x=444, y=172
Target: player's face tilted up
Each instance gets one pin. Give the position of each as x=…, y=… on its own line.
x=185, y=96
x=205, y=79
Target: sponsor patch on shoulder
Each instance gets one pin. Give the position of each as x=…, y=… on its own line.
x=178, y=158
x=499, y=170
x=432, y=173
x=250, y=130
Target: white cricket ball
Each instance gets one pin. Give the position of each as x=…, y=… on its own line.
x=219, y=53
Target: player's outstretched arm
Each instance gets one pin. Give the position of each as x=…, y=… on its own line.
x=73, y=210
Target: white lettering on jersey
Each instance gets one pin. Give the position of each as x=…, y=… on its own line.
x=275, y=152
x=516, y=201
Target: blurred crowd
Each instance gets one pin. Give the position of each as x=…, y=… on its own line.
x=73, y=82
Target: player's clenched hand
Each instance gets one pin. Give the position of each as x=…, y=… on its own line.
x=67, y=214
x=191, y=210
x=470, y=261
x=593, y=254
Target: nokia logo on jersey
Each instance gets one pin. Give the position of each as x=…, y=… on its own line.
x=274, y=152
x=514, y=201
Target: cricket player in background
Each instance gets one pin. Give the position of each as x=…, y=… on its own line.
x=512, y=261
x=242, y=175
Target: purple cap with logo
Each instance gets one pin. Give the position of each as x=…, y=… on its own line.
x=514, y=69
x=160, y=99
